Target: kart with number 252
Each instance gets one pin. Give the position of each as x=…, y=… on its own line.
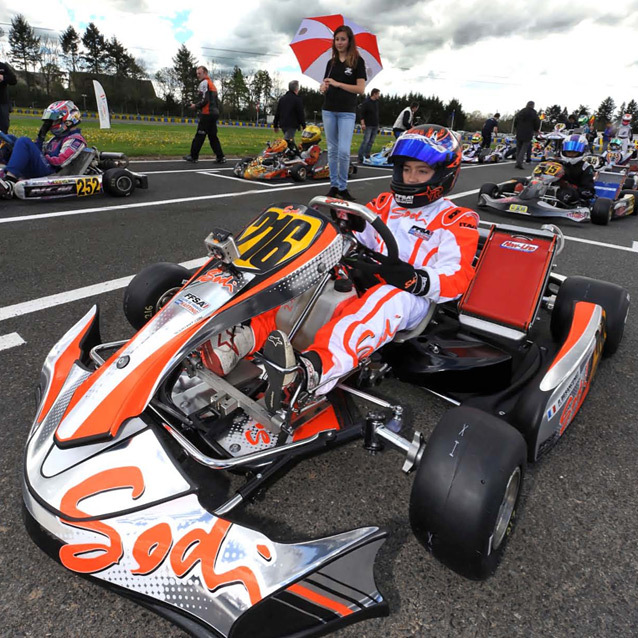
x=90, y=173
x=128, y=457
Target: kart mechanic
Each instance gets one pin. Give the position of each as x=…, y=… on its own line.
x=437, y=241
x=578, y=183
x=39, y=159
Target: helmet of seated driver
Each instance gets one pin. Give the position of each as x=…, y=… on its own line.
x=626, y=119
x=63, y=115
x=440, y=149
x=615, y=144
x=311, y=135
x=477, y=138
x=582, y=120
x=574, y=149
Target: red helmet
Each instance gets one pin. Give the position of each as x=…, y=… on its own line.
x=63, y=115
x=626, y=118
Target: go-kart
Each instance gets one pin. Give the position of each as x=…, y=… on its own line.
x=280, y=160
x=127, y=463
x=612, y=159
x=380, y=158
x=536, y=196
x=90, y=173
x=473, y=153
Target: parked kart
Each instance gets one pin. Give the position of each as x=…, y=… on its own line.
x=610, y=160
x=281, y=161
x=536, y=196
x=127, y=460
x=509, y=151
x=538, y=151
x=380, y=158
x=91, y=173
x=474, y=154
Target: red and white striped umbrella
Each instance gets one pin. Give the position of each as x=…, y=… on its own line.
x=312, y=45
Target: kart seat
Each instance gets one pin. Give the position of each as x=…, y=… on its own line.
x=79, y=164
x=511, y=275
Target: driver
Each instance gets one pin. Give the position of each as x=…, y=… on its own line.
x=40, y=158
x=578, y=183
x=437, y=242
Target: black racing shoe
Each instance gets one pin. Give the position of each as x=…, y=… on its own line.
x=190, y=158
x=344, y=194
x=221, y=160
x=6, y=188
x=333, y=192
x=278, y=350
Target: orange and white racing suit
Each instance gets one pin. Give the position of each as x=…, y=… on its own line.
x=440, y=238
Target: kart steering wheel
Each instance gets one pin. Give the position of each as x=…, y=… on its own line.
x=367, y=215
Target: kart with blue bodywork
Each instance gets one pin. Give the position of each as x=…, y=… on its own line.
x=128, y=459
x=537, y=196
x=91, y=172
x=380, y=158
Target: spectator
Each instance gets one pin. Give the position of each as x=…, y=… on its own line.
x=490, y=127
x=208, y=107
x=369, y=124
x=608, y=133
x=7, y=77
x=289, y=114
x=345, y=79
x=527, y=124
x=405, y=119
x=571, y=123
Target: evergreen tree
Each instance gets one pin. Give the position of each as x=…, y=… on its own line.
x=49, y=67
x=632, y=108
x=622, y=109
x=261, y=89
x=553, y=113
x=236, y=93
x=455, y=115
x=184, y=65
x=70, y=43
x=94, y=48
x=605, y=111
x=118, y=60
x=24, y=45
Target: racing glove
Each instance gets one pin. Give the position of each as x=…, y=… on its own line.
x=404, y=276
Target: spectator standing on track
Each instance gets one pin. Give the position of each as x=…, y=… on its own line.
x=527, y=124
x=405, y=119
x=208, y=107
x=7, y=77
x=490, y=127
x=369, y=124
x=345, y=79
x=289, y=115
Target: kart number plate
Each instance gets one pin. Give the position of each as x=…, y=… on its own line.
x=87, y=186
x=518, y=208
x=275, y=237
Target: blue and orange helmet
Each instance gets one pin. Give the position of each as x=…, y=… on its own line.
x=440, y=149
x=63, y=115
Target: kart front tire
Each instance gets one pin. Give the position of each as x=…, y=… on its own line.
x=601, y=211
x=118, y=182
x=299, y=173
x=489, y=189
x=466, y=490
x=151, y=289
x=352, y=169
x=612, y=297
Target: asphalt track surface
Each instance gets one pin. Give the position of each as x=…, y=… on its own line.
x=570, y=567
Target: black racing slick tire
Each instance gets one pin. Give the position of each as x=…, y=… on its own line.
x=612, y=297
x=151, y=289
x=352, y=169
x=601, y=211
x=489, y=189
x=466, y=490
x=118, y=182
x=299, y=172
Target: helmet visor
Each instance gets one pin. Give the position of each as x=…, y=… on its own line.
x=573, y=145
x=417, y=147
x=51, y=114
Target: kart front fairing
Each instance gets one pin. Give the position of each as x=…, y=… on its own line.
x=105, y=496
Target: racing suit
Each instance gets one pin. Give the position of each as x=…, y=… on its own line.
x=625, y=134
x=439, y=239
x=577, y=185
x=207, y=124
x=38, y=159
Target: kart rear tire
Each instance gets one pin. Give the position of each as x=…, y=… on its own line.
x=299, y=172
x=482, y=155
x=239, y=168
x=612, y=297
x=601, y=211
x=630, y=191
x=118, y=182
x=352, y=169
x=489, y=189
x=466, y=490
x=151, y=289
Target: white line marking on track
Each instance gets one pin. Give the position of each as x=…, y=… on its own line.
x=11, y=341
x=632, y=249
x=240, y=179
x=186, y=170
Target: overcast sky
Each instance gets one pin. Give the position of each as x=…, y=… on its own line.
x=492, y=55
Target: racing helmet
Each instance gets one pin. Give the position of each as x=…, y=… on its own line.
x=582, y=120
x=477, y=138
x=311, y=134
x=560, y=126
x=574, y=148
x=626, y=119
x=63, y=115
x=440, y=149
x=278, y=146
x=615, y=144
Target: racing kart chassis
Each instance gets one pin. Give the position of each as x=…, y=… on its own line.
x=142, y=502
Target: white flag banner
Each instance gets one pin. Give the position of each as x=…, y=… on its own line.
x=102, y=105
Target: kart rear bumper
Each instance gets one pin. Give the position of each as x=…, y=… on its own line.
x=533, y=208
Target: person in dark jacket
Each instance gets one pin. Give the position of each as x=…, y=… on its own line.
x=208, y=107
x=369, y=124
x=527, y=124
x=7, y=77
x=489, y=128
x=289, y=115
